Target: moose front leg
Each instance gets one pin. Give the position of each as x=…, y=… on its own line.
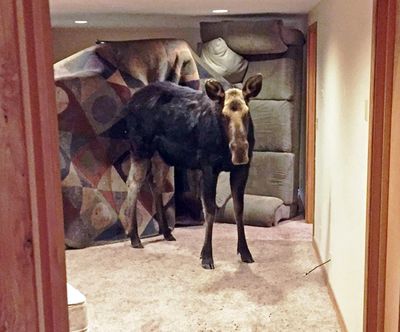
x=209, y=207
x=238, y=179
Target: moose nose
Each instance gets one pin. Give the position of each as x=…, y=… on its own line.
x=239, y=146
x=243, y=161
x=239, y=152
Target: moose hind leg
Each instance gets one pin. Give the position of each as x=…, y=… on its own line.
x=159, y=171
x=137, y=176
x=238, y=179
x=209, y=206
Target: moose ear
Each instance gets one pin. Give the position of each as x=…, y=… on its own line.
x=215, y=90
x=252, y=87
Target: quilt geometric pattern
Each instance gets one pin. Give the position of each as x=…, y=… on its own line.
x=92, y=88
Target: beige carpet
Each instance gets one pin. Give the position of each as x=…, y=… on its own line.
x=163, y=287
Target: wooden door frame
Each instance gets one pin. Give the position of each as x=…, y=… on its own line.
x=381, y=311
x=382, y=272
x=33, y=282
x=311, y=100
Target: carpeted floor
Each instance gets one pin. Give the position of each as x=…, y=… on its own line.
x=163, y=287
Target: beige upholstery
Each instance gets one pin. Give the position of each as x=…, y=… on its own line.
x=278, y=78
x=272, y=174
x=276, y=52
x=292, y=37
x=274, y=125
x=247, y=37
x=258, y=211
x=224, y=189
x=223, y=60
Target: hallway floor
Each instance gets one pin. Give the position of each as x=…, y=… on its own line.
x=163, y=287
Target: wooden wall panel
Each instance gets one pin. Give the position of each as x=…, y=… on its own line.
x=17, y=283
x=32, y=274
x=392, y=302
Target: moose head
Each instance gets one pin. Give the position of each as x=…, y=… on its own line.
x=233, y=108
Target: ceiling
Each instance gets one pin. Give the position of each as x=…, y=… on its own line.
x=179, y=7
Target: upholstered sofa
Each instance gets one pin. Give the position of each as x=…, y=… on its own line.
x=237, y=50
x=92, y=87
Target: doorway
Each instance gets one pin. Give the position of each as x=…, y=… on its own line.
x=48, y=268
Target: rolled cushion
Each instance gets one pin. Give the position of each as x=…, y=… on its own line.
x=223, y=60
x=273, y=174
x=258, y=211
x=279, y=77
x=293, y=37
x=247, y=37
x=274, y=126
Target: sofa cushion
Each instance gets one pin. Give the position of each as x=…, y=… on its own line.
x=279, y=77
x=223, y=189
x=207, y=72
x=273, y=174
x=274, y=126
x=247, y=37
x=223, y=60
x=258, y=211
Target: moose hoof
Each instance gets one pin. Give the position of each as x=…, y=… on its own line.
x=169, y=237
x=246, y=257
x=207, y=263
x=136, y=244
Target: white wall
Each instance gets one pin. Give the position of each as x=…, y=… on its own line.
x=343, y=87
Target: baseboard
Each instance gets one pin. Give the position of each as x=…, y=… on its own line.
x=330, y=291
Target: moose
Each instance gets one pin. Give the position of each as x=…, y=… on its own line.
x=211, y=132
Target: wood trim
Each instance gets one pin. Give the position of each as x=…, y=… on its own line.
x=311, y=122
x=332, y=296
x=379, y=163
x=35, y=283
x=392, y=301
x=18, y=305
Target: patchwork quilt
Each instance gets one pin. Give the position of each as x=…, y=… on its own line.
x=92, y=87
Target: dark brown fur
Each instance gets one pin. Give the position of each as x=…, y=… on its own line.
x=185, y=128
